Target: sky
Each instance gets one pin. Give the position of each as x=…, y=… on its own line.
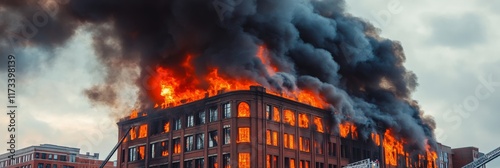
x=451, y=47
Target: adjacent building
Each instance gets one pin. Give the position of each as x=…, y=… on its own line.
x=51, y=156
x=465, y=155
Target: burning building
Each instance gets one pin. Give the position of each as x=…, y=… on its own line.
x=183, y=56
x=250, y=128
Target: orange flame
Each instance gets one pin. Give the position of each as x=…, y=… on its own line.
x=166, y=127
x=376, y=138
x=344, y=129
x=319, y=124
x=289, y=117
x=243, y=109
x=134, y=114
x=392, y=148
x=303, y=120
x=143, y=131
x=165, y=149
x=175, y=87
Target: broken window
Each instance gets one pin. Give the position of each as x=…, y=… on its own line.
x=199, y=163
x=133, y=133
x=176, y=145
x=304, y=144
x=319, y=124
x=289, y=117
x=244, y=160
x=243, y=109
x=318, y=147
x=243, y=134
x=166, y=127
x=212, y=139
x=140, y=152
x=164, y=148
x=303, y=120
x=143, y=131
x=276, y=114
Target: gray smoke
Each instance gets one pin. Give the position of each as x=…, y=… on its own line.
x=315, y=44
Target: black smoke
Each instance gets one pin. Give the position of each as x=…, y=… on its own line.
x=315, y=44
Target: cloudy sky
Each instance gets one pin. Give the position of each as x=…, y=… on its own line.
x=450, y=46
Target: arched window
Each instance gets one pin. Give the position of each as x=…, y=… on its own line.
x=243, y=109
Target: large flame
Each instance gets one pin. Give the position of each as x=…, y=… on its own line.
x=172, y=88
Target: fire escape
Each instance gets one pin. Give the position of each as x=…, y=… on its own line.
x=484, y=159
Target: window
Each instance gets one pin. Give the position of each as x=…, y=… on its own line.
x=178, y=124
x=244, y=160
x=140, y=152
x=176, y=145
x=54, y=166
x=201, y=118
x=199, y=163
x=189, y=141
x=276, y=114
x=176, y=165
x=72, y=158
x=44, y=156
x=55, y=157
x=48, y=166
x=37, y=155
x=271, y=137
x=289, y=117
x=288, y=140
x=227, y=110
x=304, y=144
x=332, y=149
x=212, y=139
x=243, y=134
x=289, y=162
x=166, y=127
x=153, y=151
x=227, y=134
x=318, y=122
x=226, y=161
x=268, y=112
x=40, y=165
x=319, y=165
x=213, y=114
x=133, y=133
x=50, y=156
x=143, y=131
x=132, y=152
x=164, y=148
x=304, y=164
x=318, y=147
x=268, y=137
x=200, y=140
x=271, y=161
x=189, y=164
x=303, y=120
x=190, y=120
x=63, y=158
x=212, y=162
x=243, y=109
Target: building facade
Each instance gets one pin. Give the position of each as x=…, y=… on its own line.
x=465, y=155
x=246, y=129
x=51, y=156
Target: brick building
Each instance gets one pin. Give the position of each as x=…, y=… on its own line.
x=248, y=128
x=51, y=156
x=465, y=155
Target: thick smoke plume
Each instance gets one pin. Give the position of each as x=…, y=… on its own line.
x=315, y=45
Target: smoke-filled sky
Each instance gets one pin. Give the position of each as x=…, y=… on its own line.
x=450, y=48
